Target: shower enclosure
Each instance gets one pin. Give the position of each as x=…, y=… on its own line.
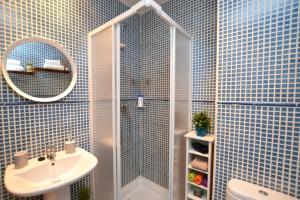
x=141, y=150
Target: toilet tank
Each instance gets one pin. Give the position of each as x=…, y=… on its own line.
x=241, y=190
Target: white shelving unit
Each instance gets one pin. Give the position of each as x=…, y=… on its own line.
x=191, y=153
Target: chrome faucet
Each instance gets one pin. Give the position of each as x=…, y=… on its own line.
x=51, y=152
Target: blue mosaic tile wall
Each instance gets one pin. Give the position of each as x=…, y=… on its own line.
x=258, y=128
x=28, y=125
x=155, y=73
x=130, y=58
x=258, y=144
x=155, y=142
x=155, y=57
x=145, y=71
x=131, y=118
x=130, y=87
x=199, y=18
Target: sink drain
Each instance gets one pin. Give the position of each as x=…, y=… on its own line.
x=262, y=192
x=56, y=181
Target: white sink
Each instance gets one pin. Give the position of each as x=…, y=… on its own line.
x=40, y=177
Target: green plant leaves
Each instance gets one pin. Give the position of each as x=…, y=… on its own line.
x=84, y=193
x=201, y=120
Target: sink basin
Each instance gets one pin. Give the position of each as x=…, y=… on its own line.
x=40, y=177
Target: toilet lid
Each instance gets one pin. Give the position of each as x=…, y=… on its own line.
x=248, y=191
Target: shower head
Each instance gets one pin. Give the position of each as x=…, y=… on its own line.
x=122, y=45
x=123, y=25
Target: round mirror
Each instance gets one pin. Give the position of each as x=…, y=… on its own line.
x=39, y=69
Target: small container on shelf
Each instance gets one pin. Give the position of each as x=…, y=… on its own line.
x=197, y=193
x=29, y=67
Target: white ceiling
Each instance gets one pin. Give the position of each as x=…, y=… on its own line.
x=132, y=2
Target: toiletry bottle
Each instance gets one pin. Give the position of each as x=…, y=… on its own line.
x=70, y=145
x=29, y=67
x=140, y=101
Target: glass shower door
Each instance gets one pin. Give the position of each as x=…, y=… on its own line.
x=103, y=110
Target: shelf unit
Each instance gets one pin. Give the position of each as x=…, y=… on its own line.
x=39, y=69
x=191, y=153
x=20, y=72
x=51, y=70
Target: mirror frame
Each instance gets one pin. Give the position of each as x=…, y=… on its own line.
x=42, y=40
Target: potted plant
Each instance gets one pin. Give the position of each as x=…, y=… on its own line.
x=84, y=193
x=202, y=123
x=29, y=67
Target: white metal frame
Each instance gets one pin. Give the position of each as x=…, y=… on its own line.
x=117, y=135
x=42, y=40
x=116, y=65
x=91, y=107
x=173, y=63
x=115, y=105
x=216, y=107
x=172, y=107
x=134, y=9
x=191, y=86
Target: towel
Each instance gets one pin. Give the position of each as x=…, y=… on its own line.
x=13, y=67
x=200, y=147
x=200, y=163
x=198, y=179
x=199, y=193
x=13, y=62
x=54, y=66
x=191, y=176
x=54, y=62
x=204, y=182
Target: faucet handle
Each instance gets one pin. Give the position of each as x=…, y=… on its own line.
x=50, y=151
x=50, y=148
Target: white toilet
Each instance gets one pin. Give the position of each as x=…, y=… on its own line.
x=241, y=190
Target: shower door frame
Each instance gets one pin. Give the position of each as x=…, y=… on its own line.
x=117, y=57
x=117, y=62
x=116, y=132
x=115, y=97
x=179, y=148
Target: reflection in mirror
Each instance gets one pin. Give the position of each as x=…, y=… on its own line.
x=39, y=69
